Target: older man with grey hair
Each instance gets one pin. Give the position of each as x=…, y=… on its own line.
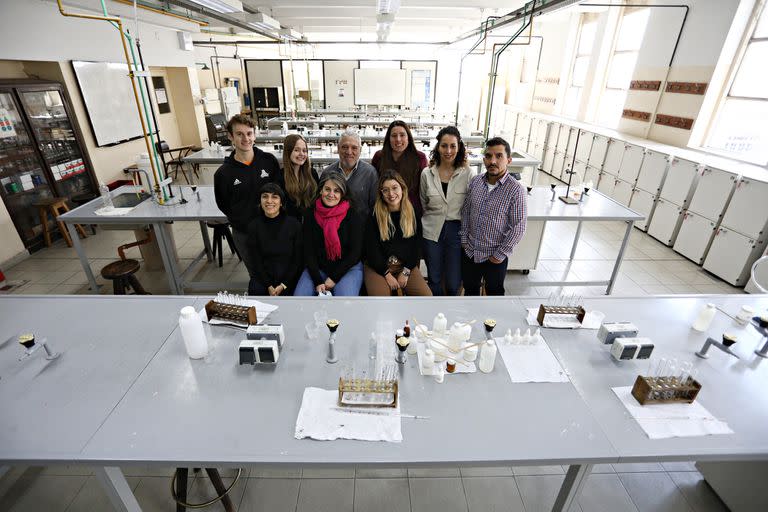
x=361, y=176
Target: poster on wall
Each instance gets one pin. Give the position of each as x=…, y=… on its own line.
x=161, y=96
x=421, y=88
x=6, y=124
x=341, y=88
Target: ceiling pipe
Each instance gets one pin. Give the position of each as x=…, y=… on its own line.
x=164, y=12
x=229, y=20
x=484, y=26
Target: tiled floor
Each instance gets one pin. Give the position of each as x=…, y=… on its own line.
x=649, y=268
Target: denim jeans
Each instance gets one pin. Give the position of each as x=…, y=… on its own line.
x=443, y=259
x=349, y=284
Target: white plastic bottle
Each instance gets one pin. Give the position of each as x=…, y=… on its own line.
x=428, y=362
x=487, y=356
x=192, y=333
x=455, y=337
x=704, y=320
x=106, y=197
x=439, y=325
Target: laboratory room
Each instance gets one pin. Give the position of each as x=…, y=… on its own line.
x=383, y=255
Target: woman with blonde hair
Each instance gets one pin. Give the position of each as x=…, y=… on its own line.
x=392, y=242
x=297, y=178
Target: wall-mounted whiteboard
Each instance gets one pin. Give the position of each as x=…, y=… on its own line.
x=380, y=86
x=108, y=97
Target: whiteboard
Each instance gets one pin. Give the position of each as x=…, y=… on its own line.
x=108, y=97
x=377, y=86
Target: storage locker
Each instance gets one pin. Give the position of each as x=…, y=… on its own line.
x=580, y=168
x=541, y=132
x=631, y=162
x=562, y=138
x=622, y=192
x=557, y=164
x=592, y=174
x=652, y=171
x=712, y=193
x=520, y=142
x=607, y=183
x=748, y=209
x=584, y=146
x=554, y=131
x=731, y=255
x=538, y=152
x=510, y=122
x=643, y=202
x=549, y=157
x=665, y=222
x=523, y=126
x=598, y=150
x=572, y=138
x=613, y=157
x=695, y=235
x=680, y=178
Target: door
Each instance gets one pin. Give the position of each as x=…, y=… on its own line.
x=541, y=132
x=523, y=127
x=598, y=151
x=680, y=178
x=584, y=146
x=591, y=176
x=748, y=209
x=712, y=193
x=695, y=235
x=538, y=152
x=22, y=175
x=652, y=171
x=573, y=139
x=622, y=192
x=731, y=256
x=554, y=131
x=631, y=162
x=642, y=202
x=549, y=157
x=557, y=164
x=580, y=170
x=562, y=138
x=665, y=222
x=607, y=184
x=613, y=157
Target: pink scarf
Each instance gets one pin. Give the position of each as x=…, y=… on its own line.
x=329, y=220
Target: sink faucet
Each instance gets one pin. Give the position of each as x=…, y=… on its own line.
x=725, y=346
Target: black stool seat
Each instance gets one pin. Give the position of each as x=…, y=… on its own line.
x=121, y=273
x=220, y=232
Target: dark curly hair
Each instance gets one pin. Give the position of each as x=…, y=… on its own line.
x=461, y=156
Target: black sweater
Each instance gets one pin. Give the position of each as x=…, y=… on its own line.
x=237, y=186
x=291, y=208
x=277, y=250
x=315, y=258
x=377, y=251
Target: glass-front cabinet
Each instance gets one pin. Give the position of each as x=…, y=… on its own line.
x=41, y=154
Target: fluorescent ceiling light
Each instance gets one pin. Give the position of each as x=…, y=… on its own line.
x=222, y=6
x=258, y=20
x=289, y=34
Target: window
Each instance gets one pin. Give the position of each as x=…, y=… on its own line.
x=739, y=128
x=622, y=66
x=573, y=94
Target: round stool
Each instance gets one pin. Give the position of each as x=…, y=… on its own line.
x=121, y=272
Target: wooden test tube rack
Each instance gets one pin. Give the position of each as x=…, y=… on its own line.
x=385, y=389
x=665, y=390
x=230, y=312
x=578, y=311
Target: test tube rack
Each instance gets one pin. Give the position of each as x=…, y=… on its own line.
x=367, y=393
x=665, y=390
x=231, y=312
x=578, y=311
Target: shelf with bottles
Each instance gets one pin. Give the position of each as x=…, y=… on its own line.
x=22, y=184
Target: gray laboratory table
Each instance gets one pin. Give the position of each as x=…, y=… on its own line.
x=333, y=120
x=200, y=207
x=333, y=136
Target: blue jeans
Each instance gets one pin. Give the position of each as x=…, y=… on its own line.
x=443, y=259
x=349, y=284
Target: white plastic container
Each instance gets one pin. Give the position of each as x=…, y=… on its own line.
x=487, y=356
x=439, y=325
x=745, y=315
x=470, y=353
x=143, y=163
x=704, y=320
x=106, y=197
x=428, y=361
x=192, y=333
x=455, y=336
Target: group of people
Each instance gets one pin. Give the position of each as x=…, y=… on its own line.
x=359, y=224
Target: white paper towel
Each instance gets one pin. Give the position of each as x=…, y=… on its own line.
x=660, y=421
x=320, y=418
x=531, y=363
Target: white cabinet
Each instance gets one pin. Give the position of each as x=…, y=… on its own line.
x=557, y=164
x=562, y=138
x=680, y=178
x=526, y=253
x=613, y=157
x=584, y=146
x=652, y=171
x=607, y=183
x=572, y=139
x=643, y=202
x=665, y=222
x=541, y=132
x=731, y=256
x=538, y=152
x=748, y=209
x=695, y=235
x=580, y=168
x=630, y=162
x=554, y=131
x=622, y=192
x=592, y=174
x=523, y=126
x=549, y=157
x=712, y=193
x=598, y=150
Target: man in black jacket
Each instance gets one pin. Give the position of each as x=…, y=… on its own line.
x=237, y=183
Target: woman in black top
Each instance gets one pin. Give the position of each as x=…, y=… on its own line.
x=274, y=239
x=333, y=242
x=392, y=241
x=297, y=178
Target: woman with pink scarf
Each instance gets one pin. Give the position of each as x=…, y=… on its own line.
x=333, y=242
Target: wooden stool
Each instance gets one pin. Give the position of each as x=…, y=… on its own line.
x=121, y=274
x=54, y=206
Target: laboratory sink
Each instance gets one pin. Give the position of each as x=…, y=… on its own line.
x=129, y=199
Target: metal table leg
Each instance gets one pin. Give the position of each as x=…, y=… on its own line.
x=620, y=257
x=574, y=480
x=117, y=489
x=81, y=254
x=206, y=240
x=167, y=254
x=576, y=240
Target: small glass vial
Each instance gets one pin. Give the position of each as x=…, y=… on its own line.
x=704, y=320
x=745, y=315
x=439, y=325
x=450, y=366
x=487, y=356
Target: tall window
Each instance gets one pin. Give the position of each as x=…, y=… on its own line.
x=579, y=70
x=740, y=127
x=622, y=66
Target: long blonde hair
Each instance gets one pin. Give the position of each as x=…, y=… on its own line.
x=301, y=189
x=407, y=214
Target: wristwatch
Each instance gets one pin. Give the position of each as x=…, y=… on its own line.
x=406, y=272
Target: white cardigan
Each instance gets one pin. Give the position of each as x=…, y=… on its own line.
x=437, y=207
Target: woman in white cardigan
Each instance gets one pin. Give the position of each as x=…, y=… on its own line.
x=442, y=192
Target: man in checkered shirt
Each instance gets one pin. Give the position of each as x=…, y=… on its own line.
x=493, y=221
